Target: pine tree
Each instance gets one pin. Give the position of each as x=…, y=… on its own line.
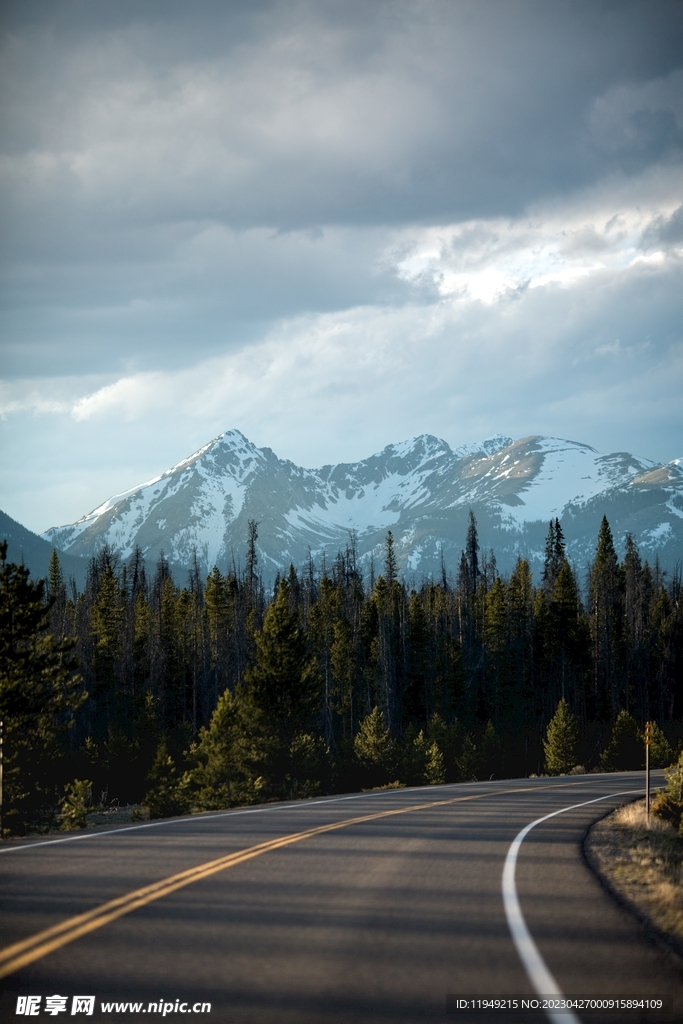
x=490, y=753
x=468, y=762
x=323, y=619
x=164, y=796
x=282, y=692
x=414, y=759
x=522, y=626
x=106, y=623
x=554, y=557
x=39, y=693
x=661, y=752
x=569, y=636
x=559, y=745
x=435, y=769
x=416, y=700
x=605, y=601
x=252, y=559
x=77, y=797
x=472, y=554
x=220, y=774
x=375, y=750
x=342, y=659
x=55, y=579
x=390, y=559
x=626, y=750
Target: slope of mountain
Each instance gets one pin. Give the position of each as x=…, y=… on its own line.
x=27, y=548
x=420, y=489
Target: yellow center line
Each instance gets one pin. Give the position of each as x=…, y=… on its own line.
x=20, y=954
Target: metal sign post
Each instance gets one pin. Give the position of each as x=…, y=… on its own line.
x=647, y=772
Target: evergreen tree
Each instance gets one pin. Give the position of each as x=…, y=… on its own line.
x=281, y=693
x=390, y=560
x=375, y=750
x=77, y=796
x=661, y=751
x=323, y=619
x=668, y=804
x=217, y=622
x=554, y=557
x=605, y=601
x=435, y=769
x=521, y=628
x=490, y=753
x=414, y=760
x=164, y=797
x=39, y=693
x=569, y=636
x=342, y=659
x=626, y=750
x=55, y=579
x=416, y=700
x=497, y=643
x=220, y=774
x=252, y=559
x=560, y=743
x=107, y=618
x=472, y=554
x=468, y=762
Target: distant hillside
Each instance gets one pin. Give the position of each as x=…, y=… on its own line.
x=28, y=548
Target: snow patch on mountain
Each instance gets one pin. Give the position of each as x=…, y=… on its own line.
x=570, y=474
x=489, y=446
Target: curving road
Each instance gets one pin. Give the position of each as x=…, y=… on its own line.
x=370, y=908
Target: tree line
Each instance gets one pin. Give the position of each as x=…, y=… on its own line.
x=220, y=692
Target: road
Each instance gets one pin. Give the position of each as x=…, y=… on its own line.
x=369, y=908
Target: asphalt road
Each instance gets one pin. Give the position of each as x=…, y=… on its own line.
x=378, y=920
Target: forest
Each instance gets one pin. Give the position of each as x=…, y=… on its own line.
x=218, y=692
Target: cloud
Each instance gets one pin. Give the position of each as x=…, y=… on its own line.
x=333, y=225
x=458, y=363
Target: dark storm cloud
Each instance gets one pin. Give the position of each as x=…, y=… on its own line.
x=293, y=114
x=129, y=130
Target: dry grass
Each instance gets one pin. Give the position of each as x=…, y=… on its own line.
x=642, y=862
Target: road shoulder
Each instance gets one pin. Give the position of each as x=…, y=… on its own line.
x=642, y=868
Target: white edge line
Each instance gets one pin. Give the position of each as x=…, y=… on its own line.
x=299, y=805
x=535, y=966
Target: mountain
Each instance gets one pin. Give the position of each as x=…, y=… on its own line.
x=421, y=489
x=25, y=547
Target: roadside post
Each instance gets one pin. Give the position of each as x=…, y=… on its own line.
x=647, y=772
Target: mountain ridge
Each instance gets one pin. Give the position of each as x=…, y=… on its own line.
x=421, y=489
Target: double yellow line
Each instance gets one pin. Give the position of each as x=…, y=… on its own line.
x=20, y=954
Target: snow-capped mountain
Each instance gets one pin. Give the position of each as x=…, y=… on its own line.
x=421, y=489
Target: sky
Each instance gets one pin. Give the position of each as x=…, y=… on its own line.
x=333, y=226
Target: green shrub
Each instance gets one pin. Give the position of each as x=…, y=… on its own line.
x=668, y=803
x=78, y=795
